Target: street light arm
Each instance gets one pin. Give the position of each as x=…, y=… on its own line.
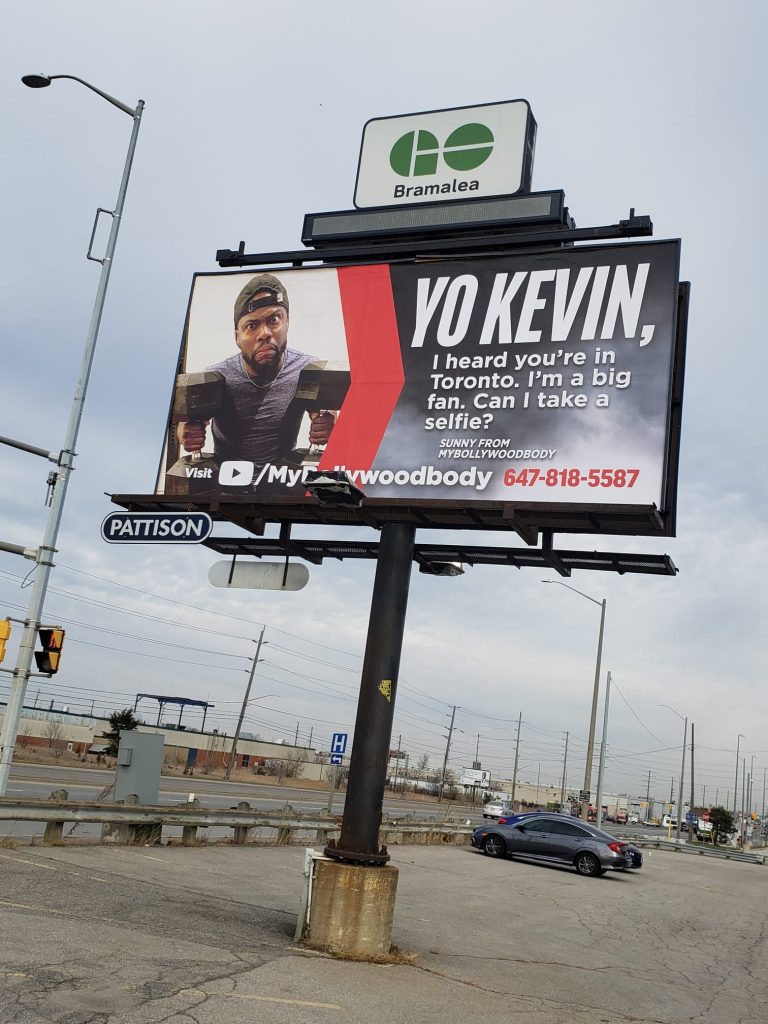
x=681, y=717
x=581, y=592
x=100, y=92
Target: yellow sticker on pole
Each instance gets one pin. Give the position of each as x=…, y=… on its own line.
x=385, y=689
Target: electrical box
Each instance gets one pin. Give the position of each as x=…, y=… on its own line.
x=139, y=761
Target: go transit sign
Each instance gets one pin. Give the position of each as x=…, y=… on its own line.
x=156, y=527
x=442, y=155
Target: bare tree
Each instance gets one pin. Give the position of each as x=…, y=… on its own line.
x=421, y=765
x=288, y=767
x=53, y=733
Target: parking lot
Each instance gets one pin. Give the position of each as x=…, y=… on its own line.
x=126, y=935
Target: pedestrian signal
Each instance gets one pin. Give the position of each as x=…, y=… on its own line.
x=5, y=632
x=51, y=640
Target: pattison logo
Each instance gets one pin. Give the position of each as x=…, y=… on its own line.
x=418, y=153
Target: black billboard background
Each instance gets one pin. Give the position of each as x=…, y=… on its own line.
x=631, y=430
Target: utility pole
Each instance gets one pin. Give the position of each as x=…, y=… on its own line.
x=296, y=738
x=447, y=749
x=311, y=728
x=648, y=814
x=233, y=751
x=397, y=762
x=538, y=780
x=331, y=787
x=565, y=764
x=690, y=823
x=517, y=752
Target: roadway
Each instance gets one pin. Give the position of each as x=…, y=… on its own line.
x=37, y=781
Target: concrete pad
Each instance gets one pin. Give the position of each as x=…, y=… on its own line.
x=352, y=909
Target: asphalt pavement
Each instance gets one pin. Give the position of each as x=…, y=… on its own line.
x=126, y=935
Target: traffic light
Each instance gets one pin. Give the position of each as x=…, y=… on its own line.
x=52, y=640
x=5, y=632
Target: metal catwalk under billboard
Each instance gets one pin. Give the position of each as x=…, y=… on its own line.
x=539, y=377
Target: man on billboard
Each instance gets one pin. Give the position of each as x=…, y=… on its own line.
x=258, y=420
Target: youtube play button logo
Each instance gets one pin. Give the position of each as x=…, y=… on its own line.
x=235, y=474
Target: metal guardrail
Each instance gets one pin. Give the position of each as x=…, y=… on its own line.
x=131, y=822
x=722, y=853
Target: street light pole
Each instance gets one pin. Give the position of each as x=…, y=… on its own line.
x=601, y=768
x=595, y=695
x=739, y=738
x=44, y=554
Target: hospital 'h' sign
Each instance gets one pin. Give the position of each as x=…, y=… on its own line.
x=339, y=743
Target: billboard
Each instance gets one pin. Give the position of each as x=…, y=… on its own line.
x=537, y=377
x=444, y=155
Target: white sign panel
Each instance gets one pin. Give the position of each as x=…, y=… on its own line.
x=474, y=777
x=259, y=575
x=445, y=155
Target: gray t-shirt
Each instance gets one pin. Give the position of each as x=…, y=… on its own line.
x=255, y=423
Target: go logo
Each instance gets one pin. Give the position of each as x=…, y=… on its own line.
x=418, y=152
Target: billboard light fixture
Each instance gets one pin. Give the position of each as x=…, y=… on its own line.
x=442, y=568
x=332, y=487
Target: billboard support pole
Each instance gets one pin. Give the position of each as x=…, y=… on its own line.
x=359, y=839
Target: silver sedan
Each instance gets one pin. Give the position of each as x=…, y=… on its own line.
x=560, y=839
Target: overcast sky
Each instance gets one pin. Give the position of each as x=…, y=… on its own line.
x=254, y=116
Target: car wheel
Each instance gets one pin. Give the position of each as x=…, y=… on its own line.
x=587, y=864
x=494, y=846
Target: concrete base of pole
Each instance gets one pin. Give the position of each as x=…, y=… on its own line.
x=352, y=909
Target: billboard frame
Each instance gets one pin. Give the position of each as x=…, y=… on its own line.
x=528, y=519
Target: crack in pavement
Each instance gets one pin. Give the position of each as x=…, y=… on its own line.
x=542, y=1001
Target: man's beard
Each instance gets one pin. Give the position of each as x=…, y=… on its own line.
x=270, y=369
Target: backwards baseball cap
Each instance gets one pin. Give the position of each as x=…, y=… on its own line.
x=261, y=290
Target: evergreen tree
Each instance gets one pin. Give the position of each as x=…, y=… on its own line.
x=119, y=721
x=722, y=822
